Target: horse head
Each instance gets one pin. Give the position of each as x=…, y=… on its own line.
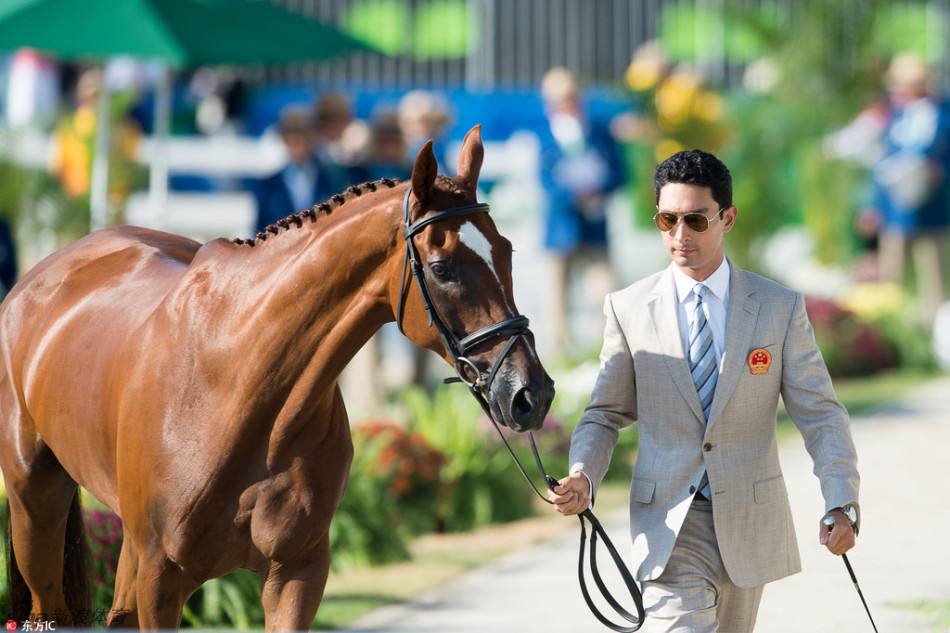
x=464, y=273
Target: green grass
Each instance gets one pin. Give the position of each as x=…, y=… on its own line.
x=936, y=611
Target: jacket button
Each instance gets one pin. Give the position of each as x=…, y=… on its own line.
x=692, y=489
x=707, y=447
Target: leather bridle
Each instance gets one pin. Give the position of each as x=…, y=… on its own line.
x=513, y=327
x=479, y=384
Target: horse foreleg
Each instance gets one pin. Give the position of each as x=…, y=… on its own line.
x=123, y=614
x=161, y=588
x=293, y=591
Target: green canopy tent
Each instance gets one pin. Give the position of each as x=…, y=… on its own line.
x=179, y=34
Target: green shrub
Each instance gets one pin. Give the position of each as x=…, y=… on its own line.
x=28, y=192
x=482, y=485
x=364, y=530
x=889, y=309
x=104, y=536
x=850, y=346
x=232, y=601
x=405, y=468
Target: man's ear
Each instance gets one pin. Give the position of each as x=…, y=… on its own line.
x=470, y=158
x=729, y=218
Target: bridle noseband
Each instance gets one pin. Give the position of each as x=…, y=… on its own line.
x=513, y=327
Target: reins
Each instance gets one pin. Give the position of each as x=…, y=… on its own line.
x=479, y=384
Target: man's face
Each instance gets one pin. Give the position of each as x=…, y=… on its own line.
x=696, y=254
x=299, y=146
x=902, y=94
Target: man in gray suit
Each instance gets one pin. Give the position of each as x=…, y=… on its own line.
x=698, y=355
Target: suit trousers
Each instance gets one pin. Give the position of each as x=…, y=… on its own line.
x=694, y=593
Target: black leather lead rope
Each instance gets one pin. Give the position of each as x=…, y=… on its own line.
x=635, y=620
x=596, y=529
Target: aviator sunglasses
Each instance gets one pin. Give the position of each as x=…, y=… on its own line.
x=666, y=221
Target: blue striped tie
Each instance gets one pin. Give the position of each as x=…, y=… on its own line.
x=702, y=363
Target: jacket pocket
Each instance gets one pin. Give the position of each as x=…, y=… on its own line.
x=766, y=490
x=642, y=490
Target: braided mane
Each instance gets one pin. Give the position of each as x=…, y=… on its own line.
x=326, y=207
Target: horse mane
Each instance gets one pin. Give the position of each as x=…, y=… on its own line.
x=325, y=208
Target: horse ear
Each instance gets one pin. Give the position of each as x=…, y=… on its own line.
x=424, y=171
x=470, y=158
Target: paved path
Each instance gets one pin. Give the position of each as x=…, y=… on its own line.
x=901, y=555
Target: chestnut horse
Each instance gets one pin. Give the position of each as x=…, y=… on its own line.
x=193, y=388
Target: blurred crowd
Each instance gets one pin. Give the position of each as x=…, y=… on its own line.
x=329, y=150
x=584, y=154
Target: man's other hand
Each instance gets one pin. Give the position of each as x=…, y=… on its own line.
x=840, y=538
x=572, y=496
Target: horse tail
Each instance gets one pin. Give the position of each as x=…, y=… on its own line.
x=19, y=600
x=76, y=586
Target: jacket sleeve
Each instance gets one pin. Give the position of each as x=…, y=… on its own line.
x=823, y=422
x=613, y=404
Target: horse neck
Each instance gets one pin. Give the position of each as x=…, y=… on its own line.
x=319, y=293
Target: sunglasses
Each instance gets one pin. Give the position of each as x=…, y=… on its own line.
x=666, y=221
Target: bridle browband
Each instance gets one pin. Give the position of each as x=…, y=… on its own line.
x=479, y=383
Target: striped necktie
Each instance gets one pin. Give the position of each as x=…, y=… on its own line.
x=702, y=363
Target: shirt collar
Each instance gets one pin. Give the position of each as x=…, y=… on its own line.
x=717, y=283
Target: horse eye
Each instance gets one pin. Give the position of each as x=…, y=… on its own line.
x=439, y=269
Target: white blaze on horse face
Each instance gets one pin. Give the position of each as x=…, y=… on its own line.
x=475, y=240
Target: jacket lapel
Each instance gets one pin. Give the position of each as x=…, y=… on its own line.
x=740, y=324
x=665, y=318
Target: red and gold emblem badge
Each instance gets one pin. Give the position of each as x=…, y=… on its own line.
x=759, y=361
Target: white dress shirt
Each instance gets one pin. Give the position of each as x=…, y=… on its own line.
x=716, y=305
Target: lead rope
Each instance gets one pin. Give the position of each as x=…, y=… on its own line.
x=596, y=528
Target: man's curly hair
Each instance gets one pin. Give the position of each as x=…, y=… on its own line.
x=695, y=167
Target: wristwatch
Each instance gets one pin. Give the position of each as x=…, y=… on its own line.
x=851, y=512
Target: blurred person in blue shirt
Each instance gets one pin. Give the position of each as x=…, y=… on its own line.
x=304, y=181
x=424, y=115
x=333, y=115
x=388, y=156
x=910, y=187
x=580, y=167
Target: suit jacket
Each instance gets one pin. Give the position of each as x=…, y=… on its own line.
x=644, y=377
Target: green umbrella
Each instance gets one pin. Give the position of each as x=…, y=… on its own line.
x=179, y=33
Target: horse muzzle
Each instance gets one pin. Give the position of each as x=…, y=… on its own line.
x=522, y=404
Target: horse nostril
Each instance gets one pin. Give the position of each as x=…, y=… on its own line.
x=522, y=405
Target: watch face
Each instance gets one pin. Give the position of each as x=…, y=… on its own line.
x=851, y=513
